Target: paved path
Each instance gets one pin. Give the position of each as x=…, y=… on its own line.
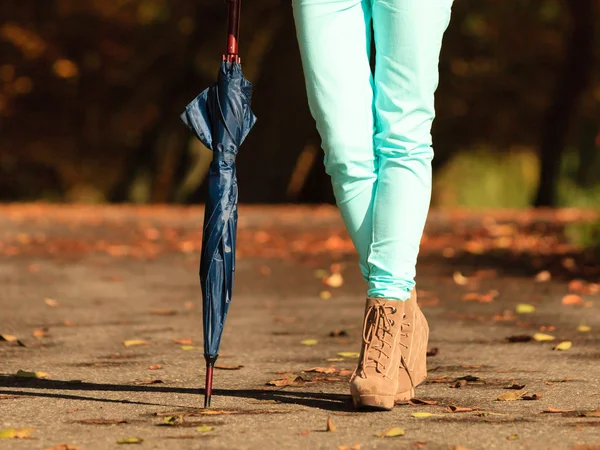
x=88, y=279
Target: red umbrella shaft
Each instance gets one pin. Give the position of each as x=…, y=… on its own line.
x=233, y=32
x=210, y=364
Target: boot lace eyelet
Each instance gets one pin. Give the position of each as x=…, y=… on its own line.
x=392, y=322
x=394, y=310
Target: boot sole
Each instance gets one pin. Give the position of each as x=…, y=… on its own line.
x=373, y=402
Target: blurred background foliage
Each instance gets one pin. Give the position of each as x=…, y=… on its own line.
x=91, y=92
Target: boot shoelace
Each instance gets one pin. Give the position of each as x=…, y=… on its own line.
x=375, y=330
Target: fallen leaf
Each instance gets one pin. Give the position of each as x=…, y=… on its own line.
x=433, y=352
x=184, y=341
x=63, y=446
x=204, y=428
x=590, y=413
x=345, y=372
x=132, y=342
x=100, y=421
x=309, y=342
x=338, y=332
x=543, y=276
x=584, y=328
x=550, y=409
x=565, y=345
x=51, y=303
x=458, y=384
x=572, y=299
x=577, y=286
x=8, y=338
x=303, y=433
x=420, y=401
x=457, y=447
x=515, y=386
x=291, y=381
x=25, y=374
x=130, y=440
x=321, y=369
x=40, y=332
x=536, y=396
x=420, y=415
x=459, y=409
x=330, y=424
x=346, y=447
x=334, y=359
x=519, y=338
x=349, y=354
x=335, y=280
x=524, y=308
x=325, y=295
x=513, y=437
x=155, y=367
x=16, y=433
x=392, y=432
x=585, y=447
x=511, y=396
x=541, y=337
x=228, y=366
x=460, y=279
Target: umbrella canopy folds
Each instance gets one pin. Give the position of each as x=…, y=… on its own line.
x=221, y=118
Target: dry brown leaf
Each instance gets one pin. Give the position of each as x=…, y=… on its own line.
x=511, y=396
x=420, y=401
x=330, y=369
x=338, y=332
x=40, y=332
x=550, y=409
x=572, y=299
x=346, y=447
x=63, y=446
x=142, y=382
x=8, y=338
x=345, y=372
x=460, y=279
x=184, y=341
x=516, y=386
x=291, y=381
x=433, y=352
x=51, y=302
x=330, y=424
x=543, y=276
x=458, y=384
x=535, y=396
x=155, y=367
x=459, y=409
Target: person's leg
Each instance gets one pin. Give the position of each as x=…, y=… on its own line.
x=408, y=36
x=334, y=38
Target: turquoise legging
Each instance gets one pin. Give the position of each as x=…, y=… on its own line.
x=376, y=130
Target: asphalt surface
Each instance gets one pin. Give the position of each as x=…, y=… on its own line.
x=89, y=279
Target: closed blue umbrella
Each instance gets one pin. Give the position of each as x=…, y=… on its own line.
x=221, y=118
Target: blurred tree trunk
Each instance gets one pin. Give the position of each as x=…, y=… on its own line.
x=268, y=158
x=570, y=87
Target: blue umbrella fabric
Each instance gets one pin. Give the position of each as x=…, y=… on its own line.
x=221, y=118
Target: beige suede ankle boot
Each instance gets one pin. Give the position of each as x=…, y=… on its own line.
x=413, y=346
x=374, y=383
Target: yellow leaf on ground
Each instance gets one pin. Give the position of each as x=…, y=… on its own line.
x=524, y=308
x=348, y=355
x=188, y=347
x=130, y=440
x=543, y=276
x=204, y=428
x=392, y=432
x=541, y=337
x=511, y=396
x=325, y=295
x=420, y=415
x=566, y=345
x=8, y=338
x=63, y=446
x=309, y=342
x=132, y=342
x=25, y=374
x=584, y=328
x=15, y=433
x=335, y=280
